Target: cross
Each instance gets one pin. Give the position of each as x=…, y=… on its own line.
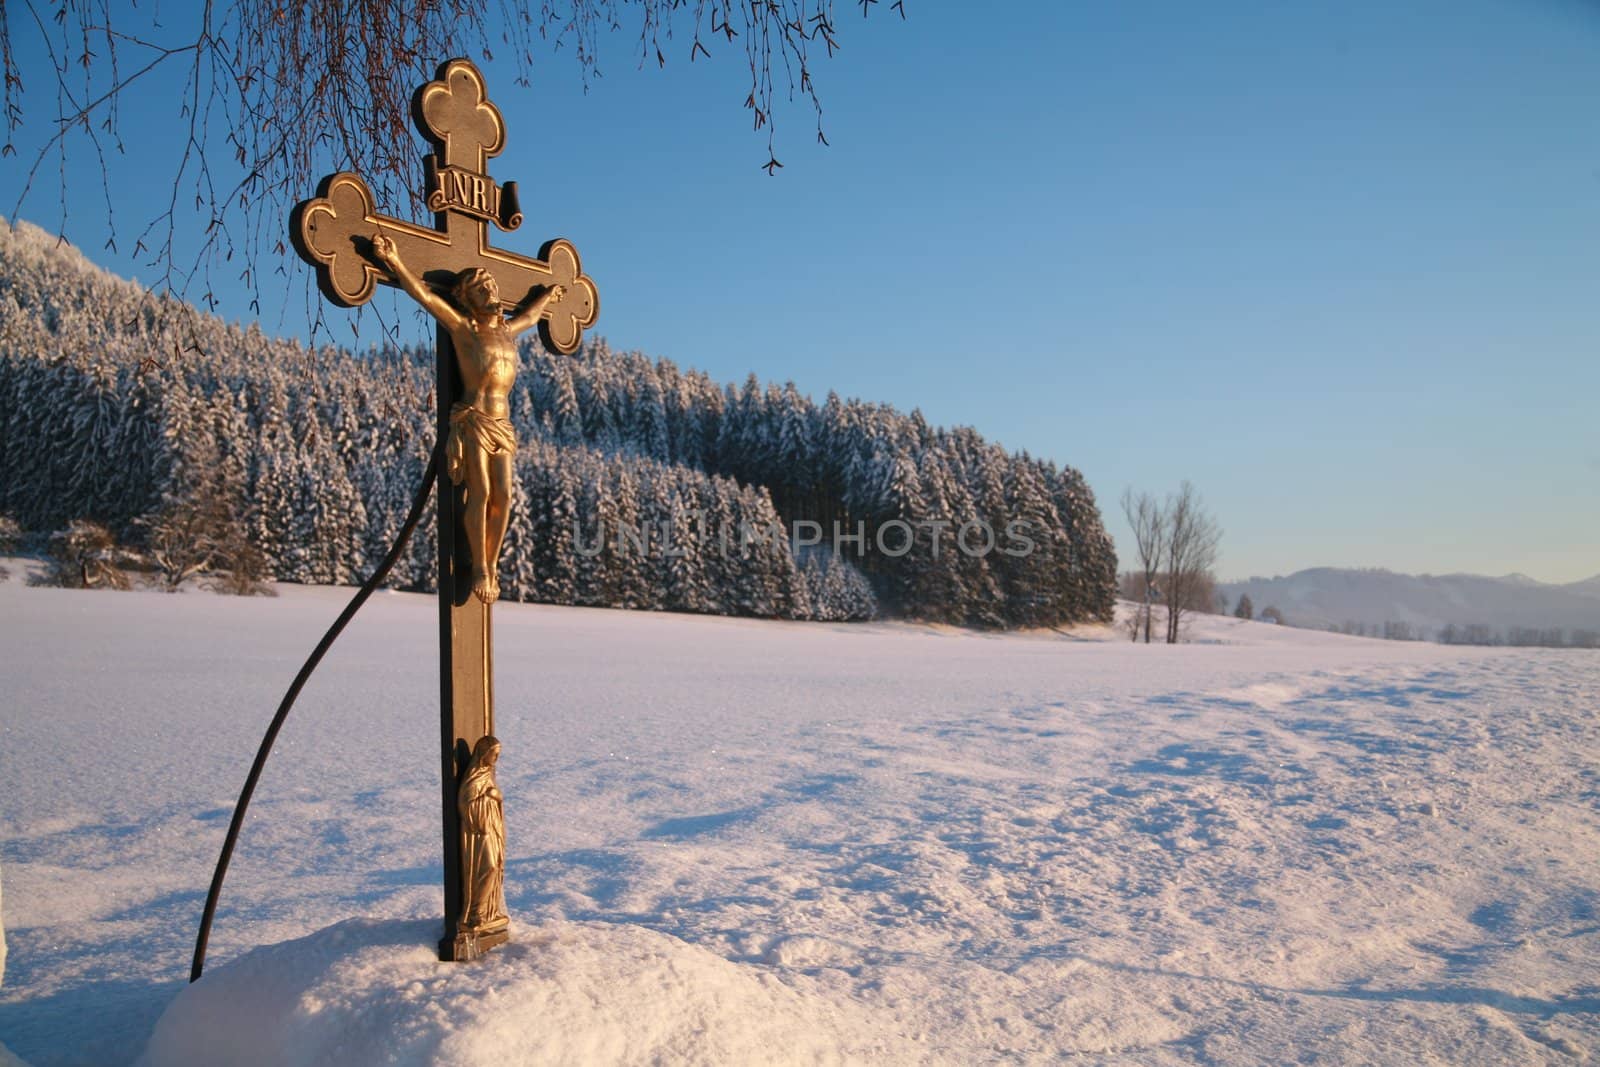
x=335, y=232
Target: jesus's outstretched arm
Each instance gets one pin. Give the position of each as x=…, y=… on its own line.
x=530, y=314
x=388, y=256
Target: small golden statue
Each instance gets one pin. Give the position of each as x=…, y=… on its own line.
x=484, y=921
x=482, y=443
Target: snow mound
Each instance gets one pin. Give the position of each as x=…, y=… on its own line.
x=372, y=992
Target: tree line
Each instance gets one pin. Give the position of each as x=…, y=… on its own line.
x=640, y=484
x=1474, y=634
x=1448, y=634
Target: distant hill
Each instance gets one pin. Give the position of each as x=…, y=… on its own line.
x=1325, y=597
x=640, y=484
x=1587, y=587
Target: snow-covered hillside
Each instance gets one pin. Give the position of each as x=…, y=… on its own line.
x=639, y=484
x=739, y=841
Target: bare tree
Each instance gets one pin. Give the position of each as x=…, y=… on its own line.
x=1193, y=539
x=85, y=555
x=1149, y=524
x=186, y=537
x=245, y=566
x=1134, y=622
x=274, y=94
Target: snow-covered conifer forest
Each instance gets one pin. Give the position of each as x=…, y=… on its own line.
x=128, y=411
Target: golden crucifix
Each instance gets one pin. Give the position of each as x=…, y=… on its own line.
x=482, y=441
x=457, y=276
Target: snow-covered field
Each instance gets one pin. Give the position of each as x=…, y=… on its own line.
x=736, y=841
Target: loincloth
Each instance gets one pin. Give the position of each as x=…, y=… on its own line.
x=471, y=427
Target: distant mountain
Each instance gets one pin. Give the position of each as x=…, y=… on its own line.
x=1332, y=596
x=1587, y=587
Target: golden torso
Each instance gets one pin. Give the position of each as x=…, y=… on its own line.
x=486, y=352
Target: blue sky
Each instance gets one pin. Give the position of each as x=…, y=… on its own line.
x=1338, y=265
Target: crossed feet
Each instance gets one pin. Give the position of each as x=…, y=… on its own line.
x=485, y=587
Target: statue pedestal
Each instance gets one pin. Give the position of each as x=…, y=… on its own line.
x=469, y=945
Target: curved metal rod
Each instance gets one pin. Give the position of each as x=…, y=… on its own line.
x=310, y=665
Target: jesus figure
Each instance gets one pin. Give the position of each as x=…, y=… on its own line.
x=482, y=443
